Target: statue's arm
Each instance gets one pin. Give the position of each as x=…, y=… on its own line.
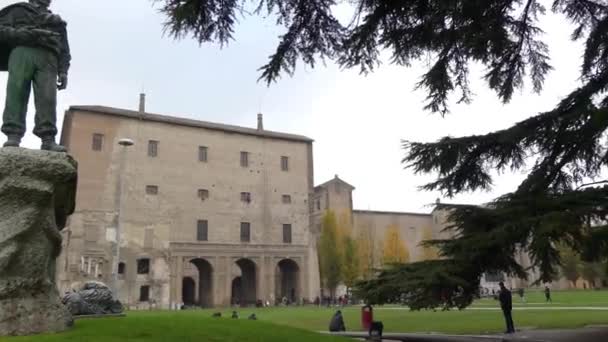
x=64, y=54
x=13, y=36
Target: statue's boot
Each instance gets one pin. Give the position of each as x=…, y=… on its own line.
x=12, y=141
x=49, y=144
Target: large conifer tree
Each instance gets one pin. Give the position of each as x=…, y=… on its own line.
x=566, y=146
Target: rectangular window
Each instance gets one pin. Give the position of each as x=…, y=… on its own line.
x=203, y=194
x=318, y=204
x=144, y=293
x=121, y=268
x=244, y=159
x=97, y=142
x=285, y=163
x=201, y=230
x=152, y=189
x=286, y=233
x=202, y=154
x=286, y=199
x=143, y=266
x=153, y=148
x=245, y=232
x=246, y=197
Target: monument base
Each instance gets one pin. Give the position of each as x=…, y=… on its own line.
x=37, y=193
x=42, y=313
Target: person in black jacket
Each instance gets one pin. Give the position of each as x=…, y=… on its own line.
x=506, y=304
x=337, y=323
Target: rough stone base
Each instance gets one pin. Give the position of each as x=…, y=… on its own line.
x=37, y=192
x=39, y=314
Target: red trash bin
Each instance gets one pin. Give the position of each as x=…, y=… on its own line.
x=367, y=317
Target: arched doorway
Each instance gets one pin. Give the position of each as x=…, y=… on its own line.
x=237, y=290
x=205, y=282
x=244, y=289
x=188, y=291
x=288, y=280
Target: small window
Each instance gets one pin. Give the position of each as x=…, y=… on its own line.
x=203, y=194
x=286, y=233
x=286, y=199
x=244, y=159
x=151, y=189
x=143, y=266
x=153, y=148
x=121, y=268
x=285, y=163
x=201, y=230
x=245, y=232
x=144, y=293
x=202, y=154
x=246, y=197
x=97, y=142
x=318, y=204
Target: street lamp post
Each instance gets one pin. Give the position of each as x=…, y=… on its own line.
x=123, y=158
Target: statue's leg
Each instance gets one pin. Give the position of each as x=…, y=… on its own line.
x=20, y=74
x=45, y=95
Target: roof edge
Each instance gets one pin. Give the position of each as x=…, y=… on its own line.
x=174, y=120
x=390, y=213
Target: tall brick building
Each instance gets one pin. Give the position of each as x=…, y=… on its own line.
x=208, y=214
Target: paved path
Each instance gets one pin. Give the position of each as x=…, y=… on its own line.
x=522, y=308
x=576, y=335
x=599, y=334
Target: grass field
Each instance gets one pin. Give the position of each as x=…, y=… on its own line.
x=570, y=309
x=177, y=327
x=560, y=298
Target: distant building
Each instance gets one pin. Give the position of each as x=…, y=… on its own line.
x=209, y=215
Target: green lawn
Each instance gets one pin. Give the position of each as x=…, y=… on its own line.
x=299, y=324
x=560, y=298
x=177, y=327
x=403, y=320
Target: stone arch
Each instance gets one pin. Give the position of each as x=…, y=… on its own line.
x=244, y=287
x=287, y=282
x=205, y=282
x=188, y=291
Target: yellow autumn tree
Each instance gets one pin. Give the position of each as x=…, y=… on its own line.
x=348, y=249
x=330, y=259
x=395, y=250
x=428, y=252
x=365, y=249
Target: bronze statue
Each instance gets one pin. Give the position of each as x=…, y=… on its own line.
x=34, y=50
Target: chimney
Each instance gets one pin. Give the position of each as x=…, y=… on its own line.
x=260, y=122
x=142, y=103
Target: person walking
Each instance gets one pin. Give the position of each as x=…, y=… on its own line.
x=548, y=295
x=522, y=295
x=506, y=304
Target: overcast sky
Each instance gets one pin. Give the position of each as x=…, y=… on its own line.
x=357, y=121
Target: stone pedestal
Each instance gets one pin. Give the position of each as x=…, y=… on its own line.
x=37, y=194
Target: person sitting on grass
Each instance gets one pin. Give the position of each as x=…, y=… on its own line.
x=337, y=322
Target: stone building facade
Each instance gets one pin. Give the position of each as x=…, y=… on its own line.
x=336, y=195
x=208, y=214
x=205, y=214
